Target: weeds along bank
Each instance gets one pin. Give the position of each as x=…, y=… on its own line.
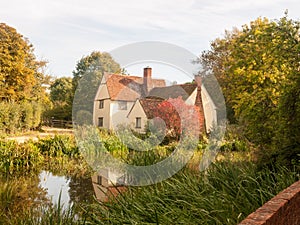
x=227, y=192
x=33, y=155
x=21, y=195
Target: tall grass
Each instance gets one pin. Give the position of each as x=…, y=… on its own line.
x=16, y=157
x=225, y=194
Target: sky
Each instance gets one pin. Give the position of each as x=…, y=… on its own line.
x=63, y=31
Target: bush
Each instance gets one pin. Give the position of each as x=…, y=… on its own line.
x=19, y=157
x=57, y=146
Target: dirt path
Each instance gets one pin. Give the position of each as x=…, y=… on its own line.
x=47, y=131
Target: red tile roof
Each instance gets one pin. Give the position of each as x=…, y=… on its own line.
x=128, y=88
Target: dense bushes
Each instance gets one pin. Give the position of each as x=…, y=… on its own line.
x=19, y=116
x=29, y=156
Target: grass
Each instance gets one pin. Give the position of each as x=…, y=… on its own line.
x=225, y=194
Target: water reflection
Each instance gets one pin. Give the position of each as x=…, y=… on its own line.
x=70, y=189
x=56, y=187
x=105, y=188
x=24, y=192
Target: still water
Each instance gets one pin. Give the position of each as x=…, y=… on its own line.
x=56, y=187
x=67, y=190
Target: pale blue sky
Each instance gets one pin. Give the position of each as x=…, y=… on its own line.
x=62, y=31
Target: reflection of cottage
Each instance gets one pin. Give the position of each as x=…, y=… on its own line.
x=126, y=99
x=107, y=183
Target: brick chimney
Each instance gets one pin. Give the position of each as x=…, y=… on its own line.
x=147, y=79
x=199, y=103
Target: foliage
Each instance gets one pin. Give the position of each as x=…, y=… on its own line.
x=21, y=82
x=19, y=116
x=179, y=118
x=57, y=146
x=19, y=158
x=225, y=194
x=254, y=66
x=234, y=140
x=61, y=97
x=31, y=156
x=87, y=77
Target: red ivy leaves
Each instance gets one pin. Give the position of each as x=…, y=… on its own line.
x=179, y=117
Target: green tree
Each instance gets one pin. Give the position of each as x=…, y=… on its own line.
x=87, y=77
x=61, y=92
x=253, y=66
x=96, y=63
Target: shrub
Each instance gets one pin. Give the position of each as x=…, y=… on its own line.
x=57, y=146
x=19, y=157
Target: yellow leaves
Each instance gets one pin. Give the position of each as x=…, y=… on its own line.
x=17, y=64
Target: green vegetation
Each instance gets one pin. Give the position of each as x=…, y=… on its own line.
x=22, y=95
x=58, y=153
x=225, y=194
x=258, y=70
x=61, y=95
x=16, y=158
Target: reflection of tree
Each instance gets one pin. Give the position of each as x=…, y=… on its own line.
x=81, y=190
x=19, y=195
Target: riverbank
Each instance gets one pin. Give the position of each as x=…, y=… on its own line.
x=36, y=135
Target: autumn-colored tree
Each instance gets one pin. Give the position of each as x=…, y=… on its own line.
x=17, y=65
x=21, y=82
x=179, y=117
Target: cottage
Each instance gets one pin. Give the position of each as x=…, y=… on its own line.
x=117, y=94
x=123, y=99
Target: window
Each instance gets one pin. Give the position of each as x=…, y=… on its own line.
x=99, y=180
x=138, y=122
x=101, y=104
x=100, y=121
x=122, y=105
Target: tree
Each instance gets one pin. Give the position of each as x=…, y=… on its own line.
x=254, y=65
x=61, y=90
x=17, y=65
x=61, y=93
x=21, y=82
x=179, y=118
x=87, y=77
x=96, y=63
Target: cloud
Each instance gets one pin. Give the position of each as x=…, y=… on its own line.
x=65, y=30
